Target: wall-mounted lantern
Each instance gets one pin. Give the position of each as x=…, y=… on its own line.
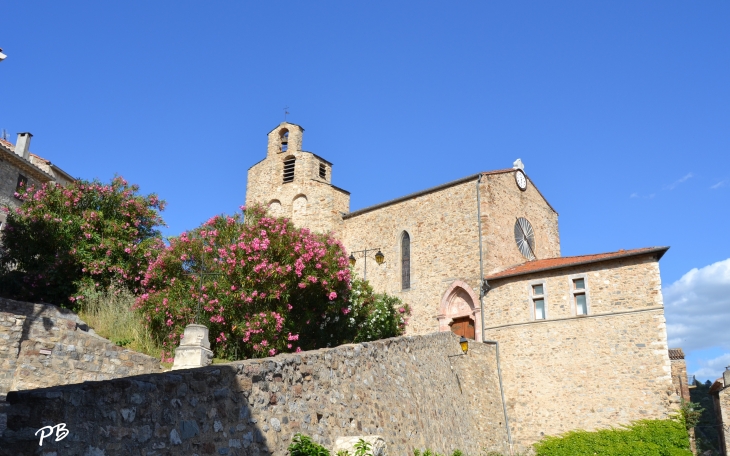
x=464, y=342
x=379, y=258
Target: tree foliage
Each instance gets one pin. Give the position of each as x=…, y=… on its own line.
x=87, y=234
x=266, y=287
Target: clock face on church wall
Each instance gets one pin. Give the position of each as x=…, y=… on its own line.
x=521, y=180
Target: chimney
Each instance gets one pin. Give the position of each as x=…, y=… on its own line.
x=726, y=377
x=22, y=145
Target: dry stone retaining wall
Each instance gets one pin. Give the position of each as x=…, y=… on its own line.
x=44, y=345
x=406, y=389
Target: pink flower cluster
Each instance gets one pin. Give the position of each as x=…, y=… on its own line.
x=262, y=277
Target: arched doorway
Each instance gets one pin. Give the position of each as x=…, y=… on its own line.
x=460, y=312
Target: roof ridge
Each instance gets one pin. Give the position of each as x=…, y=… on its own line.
x=535, y=266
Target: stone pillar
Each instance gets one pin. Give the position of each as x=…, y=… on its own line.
x=194, y=349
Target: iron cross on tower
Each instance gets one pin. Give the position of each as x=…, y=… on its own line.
x=286, y=112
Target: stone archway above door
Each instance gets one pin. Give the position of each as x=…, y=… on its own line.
x=458, y=304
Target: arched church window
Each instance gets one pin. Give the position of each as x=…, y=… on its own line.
x=289, y=168
x=405, y=251
x=284, y=139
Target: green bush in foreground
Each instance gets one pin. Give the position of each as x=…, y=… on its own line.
x=641, y=438
x=301, y=445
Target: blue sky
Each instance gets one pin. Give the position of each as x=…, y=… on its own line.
x=619, y=111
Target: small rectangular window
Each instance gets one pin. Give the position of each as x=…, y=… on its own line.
x=539, y=309
x=322, y=171
x=579, y=296
x=580, y=304
x=538, y=301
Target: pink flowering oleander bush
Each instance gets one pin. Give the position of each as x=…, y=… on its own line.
x=87, y=235
x=268, y=287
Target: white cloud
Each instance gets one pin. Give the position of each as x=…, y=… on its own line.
x=697, y=308
x=712, y=369
x=683, y=179
x=636, y=195
x=719, y=184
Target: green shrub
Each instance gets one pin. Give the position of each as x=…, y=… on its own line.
x=85, y=235
x=268, y=288
x=428, y=452
x=690, y=413
x=641, y=438
x=302, y=445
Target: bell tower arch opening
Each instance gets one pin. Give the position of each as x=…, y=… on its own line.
x=283, y=140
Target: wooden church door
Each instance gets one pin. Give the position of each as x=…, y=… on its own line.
x=463, y=327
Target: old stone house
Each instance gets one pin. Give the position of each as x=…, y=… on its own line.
x=582, y=339
x=19, y=167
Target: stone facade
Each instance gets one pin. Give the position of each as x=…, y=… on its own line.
x=680, y=381
x=309, y=198
x=570, y=364
x=570, y=371
x=415, y=392
x=442, y=223
x=443, y=227
x=43, y=345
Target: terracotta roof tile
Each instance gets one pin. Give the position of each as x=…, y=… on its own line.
x=7, y=144
x=47, y=162
x=676, y=353
x=531, y=267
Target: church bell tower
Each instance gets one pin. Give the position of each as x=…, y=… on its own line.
x=296, y=184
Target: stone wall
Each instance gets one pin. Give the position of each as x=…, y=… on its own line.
x=44, y=345
x=11, y=332
x=582, y=372
x=406, y=389
x=679, y=373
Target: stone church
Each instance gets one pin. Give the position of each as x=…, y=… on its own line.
x=582, y=340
